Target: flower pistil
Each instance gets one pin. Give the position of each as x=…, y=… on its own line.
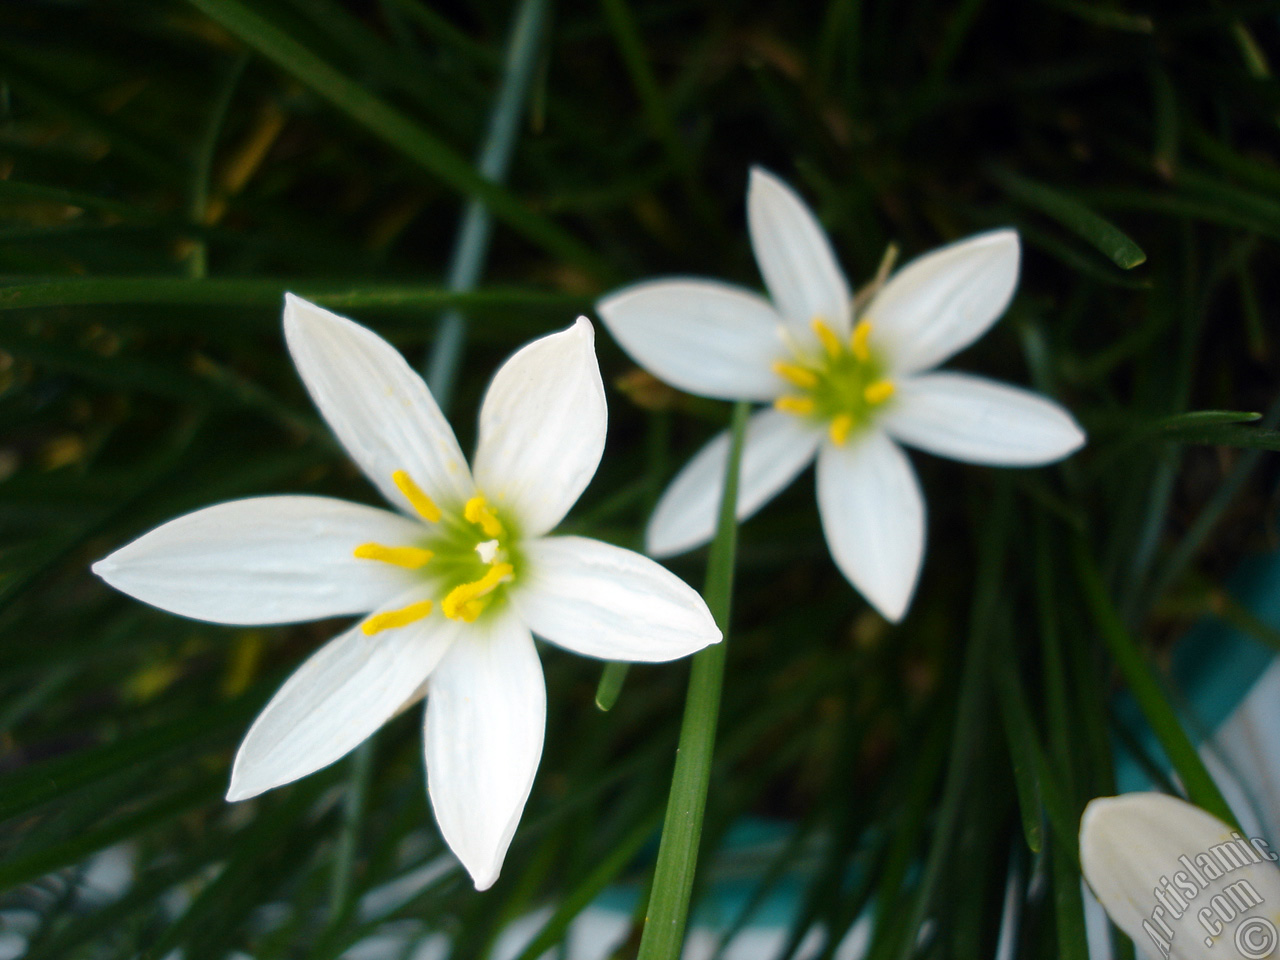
x=469, y=569
x=843, y=386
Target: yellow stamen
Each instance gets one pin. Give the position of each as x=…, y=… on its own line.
x=420, y=502
x=830, y=342
x=803, y=406
x=878, y=392
x=396, y=618
x=411, y=558
x=861, y=334
x=476, y=512
x=793, y=373
x=463, y=602
x=841, y=427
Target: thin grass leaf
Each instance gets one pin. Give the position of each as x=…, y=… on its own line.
x=1075, y=216
x=1159, y=712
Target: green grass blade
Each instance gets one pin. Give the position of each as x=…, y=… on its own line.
x=471, y=246
x=1075, y=216
x=1200, y=786
x=262, y=292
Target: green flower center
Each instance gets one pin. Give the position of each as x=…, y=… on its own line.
x=844, y=386
x=469, y=556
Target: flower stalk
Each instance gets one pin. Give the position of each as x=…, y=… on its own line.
x=682, y=828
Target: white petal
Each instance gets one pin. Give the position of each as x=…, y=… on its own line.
x=603, y=601
x=264, y=560
x=486, y=715
x=777, y=446
x=377, y=406
x=702, y=336
x=343, y=693
x=542, y=427
x=941, y=302
x=1131, y=846
x=980, y=421
x=795, y=258
x=873, y=517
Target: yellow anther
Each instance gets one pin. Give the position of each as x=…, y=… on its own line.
x=464, y=602
x=858, y=342
x=878, y=392
x=420, y=502
x=841, y=427
x=793, y=373
x=476, y=512
x=396, y=618
x=411, y=558
x=802, y=406
x=830, y=342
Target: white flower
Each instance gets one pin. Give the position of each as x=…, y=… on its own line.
x=842, y=391
x=1180, y=882
x=455, y=581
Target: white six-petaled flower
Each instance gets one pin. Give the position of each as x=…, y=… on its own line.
x=1181, y=883
x=452, y=584
x=846, y=392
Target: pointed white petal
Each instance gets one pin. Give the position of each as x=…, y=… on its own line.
x=795, y=258
x=777, y=446
x=1141, y=852
x=377, y=406
x=873, y=517
x=486, y=715
x=343, y=693
x=264, y=560
x=941, y=302
x=980, y=421
x=603, y=601
x=702, y=336
x=542, y=428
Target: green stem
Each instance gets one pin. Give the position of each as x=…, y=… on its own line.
x=682, y=828
x=472, y=243
x=611, y=680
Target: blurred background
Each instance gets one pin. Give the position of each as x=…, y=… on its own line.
x=487, y=168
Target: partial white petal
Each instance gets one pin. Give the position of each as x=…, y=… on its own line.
x=486, y=716
x=777, y=446
x=873, y=516
x=1138, y=845
x=377, y=406
x=795, y=258
x=941, y=302
x=264, y=560
x=702, y=336
x=343, y=693
x=603, y=601
x=542, y=428
x=980, y=421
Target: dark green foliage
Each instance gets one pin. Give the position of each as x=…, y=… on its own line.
x=169, y=169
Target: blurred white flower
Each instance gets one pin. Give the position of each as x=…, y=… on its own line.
x=842, y=391
x=1180, y=882
x=455, y=581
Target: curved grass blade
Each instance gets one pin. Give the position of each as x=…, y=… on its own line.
x=1075, y=216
